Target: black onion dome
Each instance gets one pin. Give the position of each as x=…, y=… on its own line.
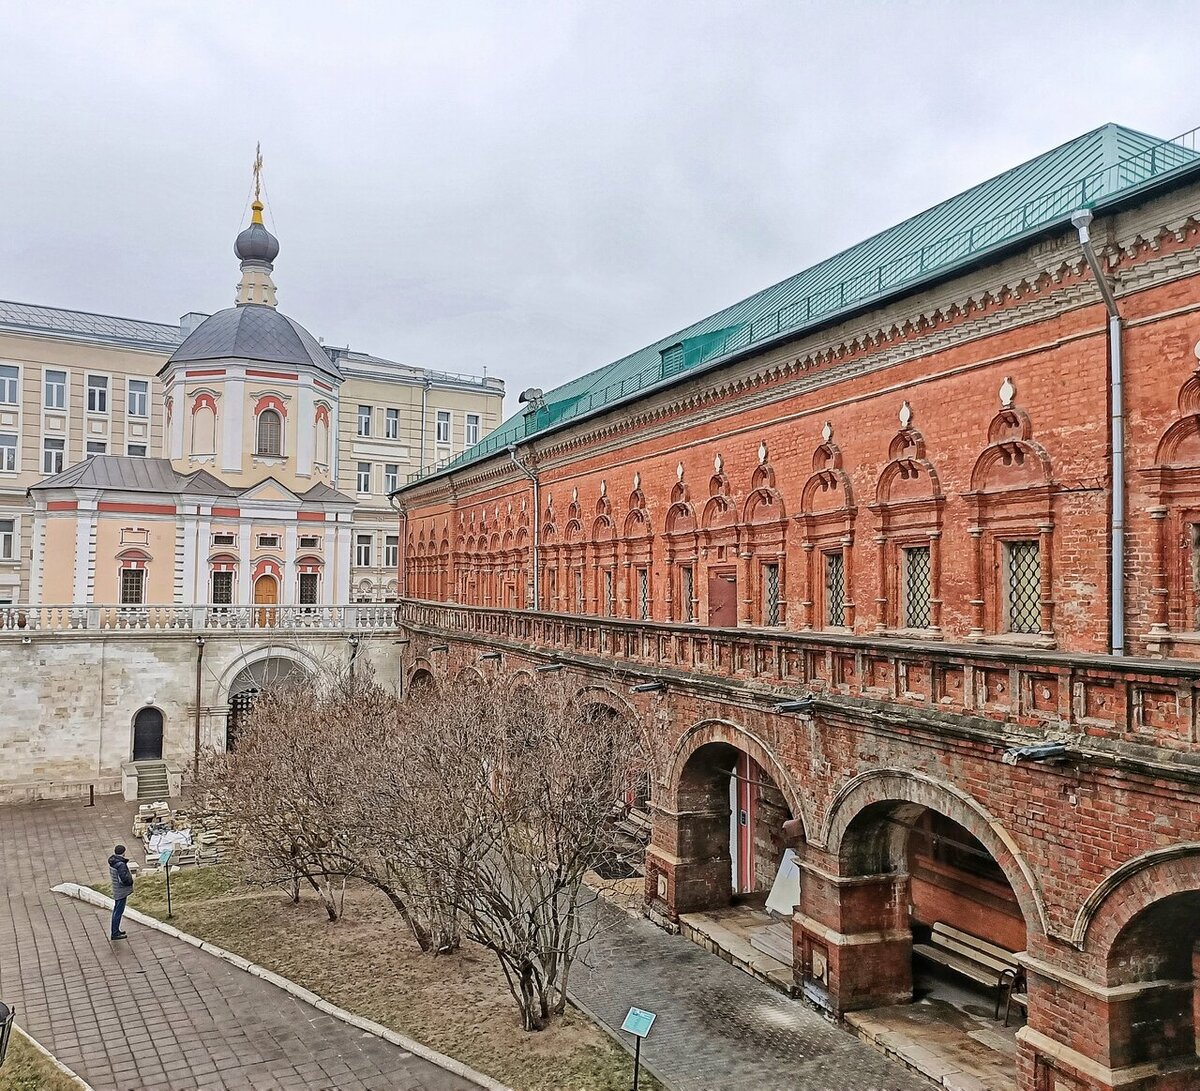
x=256, y=243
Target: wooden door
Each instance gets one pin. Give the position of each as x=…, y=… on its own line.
x=148, y=735
x=266, y=593
x=745, y=800
x=722, y=597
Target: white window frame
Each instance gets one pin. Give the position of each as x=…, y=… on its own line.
x=89, y=444
x=391, y=551
x=270, y=540
x=391, y=477
x=358, y=478
x=443, y=416
x=10, y=385
x=391, y=424
x=105, y=390
x=63, y=389
x=61, y=452
x=473, y=423
x=10, y=454
x=143, y=395
x=9, y=539
x=364, y=420
x=363, y=545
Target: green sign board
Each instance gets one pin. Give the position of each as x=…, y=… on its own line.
x=164, y=857
x=638, y=1022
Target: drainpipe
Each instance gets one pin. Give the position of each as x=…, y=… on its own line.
x=537, y=530
x=199, y=664
x=402, y=576
x=1081, y=220
x=424, y=412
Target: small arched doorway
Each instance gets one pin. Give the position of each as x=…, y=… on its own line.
x=148, y=734
x=267, y=673
x=266, y=596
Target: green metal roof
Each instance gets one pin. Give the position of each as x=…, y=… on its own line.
x=1107, y=165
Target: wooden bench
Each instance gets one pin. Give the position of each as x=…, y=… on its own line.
x=979, y=960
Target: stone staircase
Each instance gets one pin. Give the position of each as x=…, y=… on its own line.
x=152, y=781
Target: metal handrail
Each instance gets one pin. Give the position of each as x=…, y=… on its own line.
x=938, y=256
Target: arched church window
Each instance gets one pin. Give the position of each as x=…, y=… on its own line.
x=270, y=433
x=204, y=429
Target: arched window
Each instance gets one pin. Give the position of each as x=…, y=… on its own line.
x=270, y=433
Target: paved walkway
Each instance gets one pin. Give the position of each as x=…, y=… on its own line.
x=719, y=1028
x=156, y=1013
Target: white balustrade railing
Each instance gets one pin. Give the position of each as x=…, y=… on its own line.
x=100, y=618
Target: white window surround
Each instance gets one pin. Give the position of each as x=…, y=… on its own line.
x=137, y=398
x=391, y=424
x=136, y=450
x=9, y=452
x=97, y=391
x=362, y=550
x=8, y=540
x=10, y=384
x=472, y=429
x=54, y=389
x=365, y=413
x=362, y=478
x=53, y=455
x=442, y=433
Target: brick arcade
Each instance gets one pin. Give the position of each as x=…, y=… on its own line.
x=903, y=508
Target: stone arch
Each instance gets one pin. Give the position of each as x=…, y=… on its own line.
x=469, y=673
x=1141, y=882
x=241, y=668
x=420, y=673
x=706, y=732
x=602, y=695
x=908, y=794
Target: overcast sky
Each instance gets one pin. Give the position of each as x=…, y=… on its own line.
x=534, y=188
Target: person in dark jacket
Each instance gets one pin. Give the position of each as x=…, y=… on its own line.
x=122, y=883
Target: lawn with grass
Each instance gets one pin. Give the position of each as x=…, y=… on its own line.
x=369, y=964
x=27, y=1069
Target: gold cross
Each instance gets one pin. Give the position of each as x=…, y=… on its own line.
x=258, y=165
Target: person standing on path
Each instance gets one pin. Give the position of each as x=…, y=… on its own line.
x=122, y=883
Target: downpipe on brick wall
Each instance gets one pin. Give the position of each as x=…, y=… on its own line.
x=1081, y=221
x=537, y=529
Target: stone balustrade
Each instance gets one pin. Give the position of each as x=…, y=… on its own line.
x=99, y=618
x=1151, y=703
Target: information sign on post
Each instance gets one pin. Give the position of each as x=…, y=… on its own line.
x=638, y=1023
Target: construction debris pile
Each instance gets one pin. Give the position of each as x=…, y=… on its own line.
x=198, y=840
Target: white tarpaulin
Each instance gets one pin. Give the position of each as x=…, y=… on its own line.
x=785, y=891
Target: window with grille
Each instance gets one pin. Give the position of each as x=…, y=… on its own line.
x=916, y=587
x=1023, y=577
x=8, y=451
x=310, y=541
x=643, y=578
x=268, y=541
x=8, y=534
x=308, y=589
x=133, y=586
x=687, y=590
x=391, y=424
x=55, y=390
x=8, y=384
x=97, y=393
x=52, y=456
x=364, y=420
x=222, y=588
x=835, y=589
x=770, y=594
x=610, y=594
x=137, y=397
x=270, y=433
x=224, y=539
x=579, y=590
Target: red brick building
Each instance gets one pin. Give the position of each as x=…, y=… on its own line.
x=889, y=483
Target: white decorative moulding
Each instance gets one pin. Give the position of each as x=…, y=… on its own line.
x=762, y=453
x=906, y=415
x=679, y=471
x=718, y=463
x=637, y=481
x=827, y=431
x=1008, y=391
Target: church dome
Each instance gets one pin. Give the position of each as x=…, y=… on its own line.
x=253, y=331
x=256, y=243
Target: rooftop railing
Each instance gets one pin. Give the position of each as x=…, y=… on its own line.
x=23, y=620
x=1090, y=190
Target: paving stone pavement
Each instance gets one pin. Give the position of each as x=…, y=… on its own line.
x=153, y=1012
x=719, y=1029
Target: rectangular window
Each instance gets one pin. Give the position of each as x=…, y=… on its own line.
x=133, y=586
x=364, y=420
x=9, y=384
x=391, y=424
x=643, y=582
x=391, y=551
x=268, y=541
x=610, y=594
x=364, y=477
x=136, y=450
x=362, y=550
x=1023, y=579
x=96, y=447
x=472, y=436
x=97, y=393
x=138, y=399
x=52, y=456
x=391, y=477
x=687, y=591
x=579, y=590
x=443, y=426
x=222, y=588
x=55, y=396
x=835, y=589
x=308, y=541
x=8, y=451
x=224, y=539
x=770, y=594
x=308, y=589
x=916, y=587
x=8, y=536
